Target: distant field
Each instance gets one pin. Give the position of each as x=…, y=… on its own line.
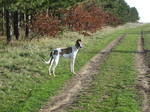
x=25, y=84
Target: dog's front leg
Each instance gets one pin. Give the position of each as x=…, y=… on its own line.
x=72, y=65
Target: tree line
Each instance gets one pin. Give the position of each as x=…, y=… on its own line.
x=120, y=9
x=53, y=16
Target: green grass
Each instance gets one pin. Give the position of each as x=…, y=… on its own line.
x=146, y=36
x=25, y=84
x=112, y=89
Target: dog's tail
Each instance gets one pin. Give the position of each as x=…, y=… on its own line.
x=47, y=62
x=50, y=59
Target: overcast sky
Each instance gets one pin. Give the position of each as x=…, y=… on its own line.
x=143, y=7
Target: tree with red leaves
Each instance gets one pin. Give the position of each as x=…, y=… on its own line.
x=45, y=24
x=80, y=18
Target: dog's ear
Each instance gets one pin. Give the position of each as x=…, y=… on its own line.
x=79, y=40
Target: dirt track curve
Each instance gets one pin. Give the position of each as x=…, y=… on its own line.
x=143, y=81
x=80, y=81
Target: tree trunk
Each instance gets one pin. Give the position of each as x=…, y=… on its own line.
x=16, y=27
x=47, y=12
x=8, y=27
x=3, y=24
x=27, y=30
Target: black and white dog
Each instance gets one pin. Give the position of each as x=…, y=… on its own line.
x=68, y=52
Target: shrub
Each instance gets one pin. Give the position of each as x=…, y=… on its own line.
x=82, y=18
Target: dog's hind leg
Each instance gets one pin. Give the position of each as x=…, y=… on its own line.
x=51, y=63
x=56, y=60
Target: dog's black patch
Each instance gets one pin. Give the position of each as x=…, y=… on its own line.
x=67, y=50
x=55, y=52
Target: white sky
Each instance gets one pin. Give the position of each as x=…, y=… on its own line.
x=143, y=7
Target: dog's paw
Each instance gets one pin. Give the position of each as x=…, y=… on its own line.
x=50, y=73
x=74, y=73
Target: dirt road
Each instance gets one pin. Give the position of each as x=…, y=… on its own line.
x=143, y=81
x=80, y=82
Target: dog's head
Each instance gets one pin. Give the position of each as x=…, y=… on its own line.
x=79, y=43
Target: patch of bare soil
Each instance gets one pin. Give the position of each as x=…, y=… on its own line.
x=81, y=81
x=143, y=81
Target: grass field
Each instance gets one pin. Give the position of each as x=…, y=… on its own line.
x=24, y=81
x=112, y=90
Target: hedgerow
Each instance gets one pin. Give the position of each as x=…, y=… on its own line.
x=82, y=18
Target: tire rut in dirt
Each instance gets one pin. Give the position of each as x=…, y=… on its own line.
x=143, y=81
x=80, y=82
